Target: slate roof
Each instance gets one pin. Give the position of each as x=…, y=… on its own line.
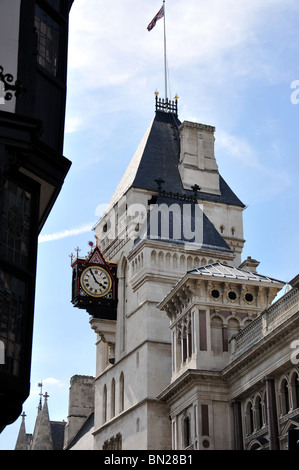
x=194, y=227
x=220, y=270
x=86, y=428
x=160, y=159
x=223, y=271
x=57, y=429
x=157, y=157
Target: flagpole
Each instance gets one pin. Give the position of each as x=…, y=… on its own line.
x=165, y=61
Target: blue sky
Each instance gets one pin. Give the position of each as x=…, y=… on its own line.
x=233, y=65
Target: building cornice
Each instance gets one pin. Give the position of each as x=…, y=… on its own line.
x=181, y=384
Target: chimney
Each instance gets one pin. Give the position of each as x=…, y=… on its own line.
x=249, y=264
x=81, y=405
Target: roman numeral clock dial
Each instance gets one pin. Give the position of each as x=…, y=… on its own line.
x=96, y=281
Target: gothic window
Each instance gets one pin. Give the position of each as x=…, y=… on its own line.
x=249, y=419
x=284, y=397
x=184, y=340
x=258, y=413
x=182, y=263
x=175, y=261
x=168, y=259
x=104, y=410
x=121, y=392
x=154, y=258
x=112, y=404
x=122, y=306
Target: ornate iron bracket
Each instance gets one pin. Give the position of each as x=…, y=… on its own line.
x=7, y=86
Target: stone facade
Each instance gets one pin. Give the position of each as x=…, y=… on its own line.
x=199, y=357
x=187, y=372
x=126, y=391
x=233, y=384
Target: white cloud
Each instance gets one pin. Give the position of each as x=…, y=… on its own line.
x=52, y=381
x=49, y=381
x=216, y=43
x=72, y=123
x=264, y=181
x=66, y=233
x=100, y=209
x=237, y=149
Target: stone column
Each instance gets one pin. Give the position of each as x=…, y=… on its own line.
x=238, y=432
x=272, y=414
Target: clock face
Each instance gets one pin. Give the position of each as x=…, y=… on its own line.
x=96, y=281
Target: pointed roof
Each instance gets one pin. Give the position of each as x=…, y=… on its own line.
x=157, y=156
x=42, y=436
x=22, y=440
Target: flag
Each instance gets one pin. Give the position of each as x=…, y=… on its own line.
x=158, y=16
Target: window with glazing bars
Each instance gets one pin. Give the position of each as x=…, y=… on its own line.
x=48, y=32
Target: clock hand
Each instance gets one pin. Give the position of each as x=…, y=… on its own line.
x=95, y=279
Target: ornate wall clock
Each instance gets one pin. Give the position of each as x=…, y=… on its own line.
x=96, y=281
x=94, y=285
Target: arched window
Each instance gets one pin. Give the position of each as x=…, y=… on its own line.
x=249, y=418
x=185, y=340
x=154, y=258
x=186, y=432
x=121, y=392
x=112, y=404
x=284, y=397
x=217, y=336
x=294, y=383
x=104, y=410
x=265, y=408
x=233, y=327
x=122, y=304
x=258, y=413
